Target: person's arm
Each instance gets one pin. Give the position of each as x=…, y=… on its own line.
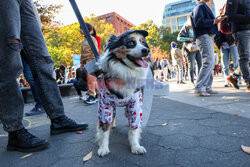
x=183, y=35
x=233, y=16
x=199, y=19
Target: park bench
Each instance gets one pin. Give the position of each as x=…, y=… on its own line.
x=65, y=90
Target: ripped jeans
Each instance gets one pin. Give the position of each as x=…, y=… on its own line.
x=20, y=29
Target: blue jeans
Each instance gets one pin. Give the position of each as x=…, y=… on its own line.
x=29, y=77
x=77, y=87
x=225, y=59
x=19, y=27
x=205, y=78
x=243, y=45
x=192, y=56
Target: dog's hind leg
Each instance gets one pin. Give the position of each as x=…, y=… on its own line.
x=103, y=131
x=134, y=136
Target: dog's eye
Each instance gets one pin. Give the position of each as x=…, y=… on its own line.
x=131, y=44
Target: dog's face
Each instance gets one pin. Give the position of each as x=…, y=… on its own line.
x=132, y=51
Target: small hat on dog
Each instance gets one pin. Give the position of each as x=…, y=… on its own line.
x=115, y=41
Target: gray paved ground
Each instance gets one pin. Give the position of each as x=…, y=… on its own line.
x=201, y=132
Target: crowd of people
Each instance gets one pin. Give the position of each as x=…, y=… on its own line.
x=197, y=56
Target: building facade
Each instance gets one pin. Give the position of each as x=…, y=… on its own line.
x=119, y=23
x=175, y=14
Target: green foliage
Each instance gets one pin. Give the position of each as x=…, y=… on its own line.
x=159, y=36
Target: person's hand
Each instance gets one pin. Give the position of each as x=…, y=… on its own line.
x=191, y=40
x=218, y=20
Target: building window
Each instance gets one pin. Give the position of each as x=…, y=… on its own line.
x=108, y=18
x=181, y=21
x=174, y=28
x=174, y=21
x=168, y=22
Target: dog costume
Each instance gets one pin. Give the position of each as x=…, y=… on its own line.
x=108, y=103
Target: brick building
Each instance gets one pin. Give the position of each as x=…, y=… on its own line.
x=120, y=24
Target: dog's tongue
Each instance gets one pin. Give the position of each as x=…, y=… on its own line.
x=142, y=63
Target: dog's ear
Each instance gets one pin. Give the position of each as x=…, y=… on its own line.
x=112, y=39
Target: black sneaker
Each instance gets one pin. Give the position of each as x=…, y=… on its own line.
x=182, y=82
x=23, y=141
x=90, y=100
x=65, y=124
x=233, y=81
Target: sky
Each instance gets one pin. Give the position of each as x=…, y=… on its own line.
x=135, y=11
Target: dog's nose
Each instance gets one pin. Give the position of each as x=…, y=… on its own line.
x=145, y=52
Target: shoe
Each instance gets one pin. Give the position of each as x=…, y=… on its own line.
x=248, y=87
x=212, y=92
x=35, y=111
x=193, y=86
x=90, y=100
x=227, y=85
x=64, y=124
x=233, y=81
x=181, y=82
x=80, y=97
x=178, y=82
x=23, y=141
x=204, y=94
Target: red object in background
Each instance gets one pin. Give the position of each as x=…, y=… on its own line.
x=98, y=39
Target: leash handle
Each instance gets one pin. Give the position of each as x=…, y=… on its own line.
x=84, y=28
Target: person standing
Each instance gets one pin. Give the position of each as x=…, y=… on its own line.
x=226, y=44
x=157, y=69
x=190, y=49
x=165, y=66
x=205, y=27
x=86, y=56
x=239, y=15
x=177, y=62
x=19, y=29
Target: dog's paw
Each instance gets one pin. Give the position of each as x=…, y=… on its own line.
x=138, y=150
x=102, y=151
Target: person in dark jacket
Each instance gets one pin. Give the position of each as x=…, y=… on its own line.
x=80, y=82
x=239, y=15
x=60, y=75
x=226, y=44
x=205, y=27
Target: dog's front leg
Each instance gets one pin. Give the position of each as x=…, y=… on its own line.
x=134, y=138
x=103, y=131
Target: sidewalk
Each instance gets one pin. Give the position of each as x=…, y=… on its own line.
x=200, y=132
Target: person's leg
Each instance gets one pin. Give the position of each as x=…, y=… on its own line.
x=205, y=43
x=11, y=99
x=29, y=77
x=177, y=73
x=41, y=65
x=77, y=87
x=243, y=45
x=199, y=61
x=235, y=56
x=225, y=61
x=191, y=64
x=40, y=62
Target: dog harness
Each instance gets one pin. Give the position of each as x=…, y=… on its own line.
x=108, y=103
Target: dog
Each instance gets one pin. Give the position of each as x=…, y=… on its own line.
x=126, y=56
